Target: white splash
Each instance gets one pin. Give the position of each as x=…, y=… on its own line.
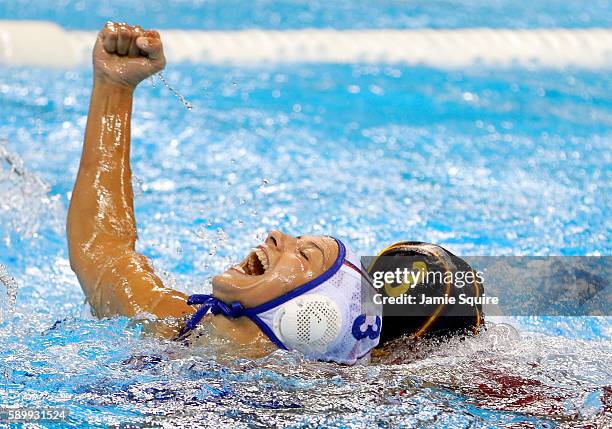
x=9, y=296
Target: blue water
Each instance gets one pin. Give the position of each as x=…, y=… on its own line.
x=482, y=161
x=496, y=162
x=284, y=14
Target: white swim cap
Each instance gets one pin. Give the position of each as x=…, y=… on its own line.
x=330, y=318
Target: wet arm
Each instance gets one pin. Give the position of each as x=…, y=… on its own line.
x=116, y=279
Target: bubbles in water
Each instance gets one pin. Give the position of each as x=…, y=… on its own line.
x=178, y=95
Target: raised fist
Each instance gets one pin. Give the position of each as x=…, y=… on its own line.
x=127, y=54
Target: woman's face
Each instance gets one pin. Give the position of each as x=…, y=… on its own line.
x=275, y=267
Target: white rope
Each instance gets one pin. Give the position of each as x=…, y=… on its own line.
x=34, y=43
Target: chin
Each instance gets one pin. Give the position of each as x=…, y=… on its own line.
x=225, y=282
x=232, y=285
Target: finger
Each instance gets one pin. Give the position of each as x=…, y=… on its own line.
x=136, y=33
x=110, y=41
x=108, y=28
x=152, y=33
x=102, y=34
x=124, y=40
x=152, y=47
x=110, y=38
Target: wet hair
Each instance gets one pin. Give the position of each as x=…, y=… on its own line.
x=426, y=321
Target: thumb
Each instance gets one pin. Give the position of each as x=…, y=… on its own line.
x=151, y=46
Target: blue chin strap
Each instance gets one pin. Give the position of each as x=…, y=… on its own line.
x=234, y=309
x=212, y=304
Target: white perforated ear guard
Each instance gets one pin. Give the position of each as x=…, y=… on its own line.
x=329, y=318
x=308, y=323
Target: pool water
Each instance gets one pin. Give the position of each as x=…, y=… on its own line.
x=512, y=161
x=482, y=161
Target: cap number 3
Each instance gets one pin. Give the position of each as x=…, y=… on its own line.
x=372, y=329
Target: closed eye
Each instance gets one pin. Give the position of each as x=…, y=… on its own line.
x=304, y=255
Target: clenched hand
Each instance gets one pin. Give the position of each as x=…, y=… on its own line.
x=126, y=54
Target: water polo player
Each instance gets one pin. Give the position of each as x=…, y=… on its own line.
x=303, y=293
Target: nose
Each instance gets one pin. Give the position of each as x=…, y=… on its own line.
x=278, y=240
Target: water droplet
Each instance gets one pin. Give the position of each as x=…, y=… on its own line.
x=138, y=186
x=182, y=99
x=222, y=235
x=201, y=232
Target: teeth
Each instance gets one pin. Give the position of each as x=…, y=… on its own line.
x=262, y=258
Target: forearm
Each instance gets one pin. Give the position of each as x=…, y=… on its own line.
x=101, y=210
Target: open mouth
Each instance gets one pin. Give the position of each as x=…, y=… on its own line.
x=255, y=264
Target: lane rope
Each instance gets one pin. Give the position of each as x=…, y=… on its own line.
x=40, y=43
